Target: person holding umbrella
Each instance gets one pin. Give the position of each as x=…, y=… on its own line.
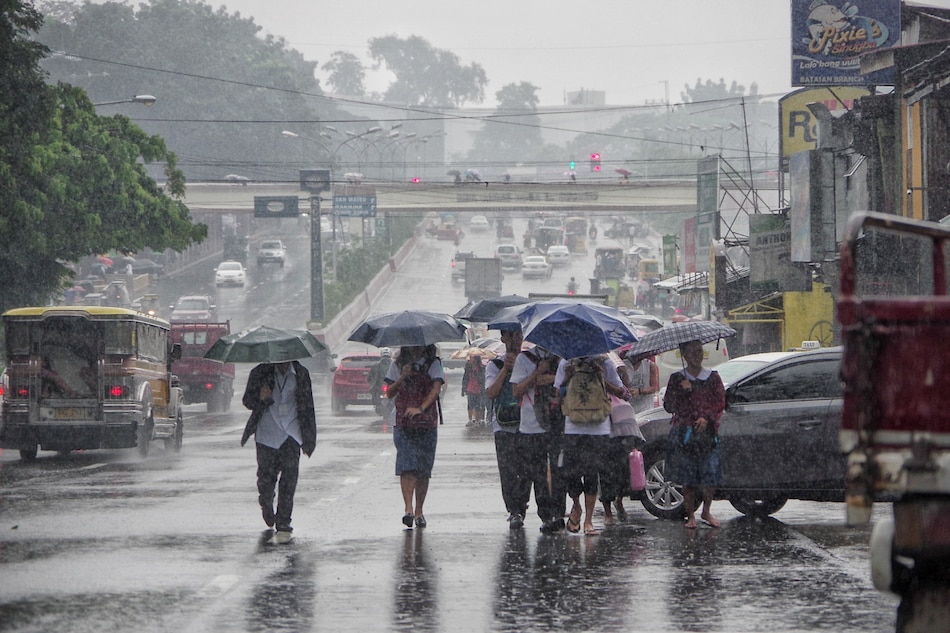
x=283, y=422
x=696, y=398
x=415, y=380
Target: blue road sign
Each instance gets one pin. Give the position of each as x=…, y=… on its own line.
x=355, y=206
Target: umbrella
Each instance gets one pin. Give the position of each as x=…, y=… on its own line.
x=484, y=310
x=453, y=172
x=103, y=259
x=467, y=352
x=509, y=318
x=646, y=321
x=408, y=328
x=671, y=336
x=263, y=344
x=626, y=173
x=572, y=330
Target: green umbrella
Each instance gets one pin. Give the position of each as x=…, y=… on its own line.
x=264, y=344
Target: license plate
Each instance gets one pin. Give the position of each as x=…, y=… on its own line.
x=63, y=413
x=364, y=396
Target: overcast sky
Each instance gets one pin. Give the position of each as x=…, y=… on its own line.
x=634, y=50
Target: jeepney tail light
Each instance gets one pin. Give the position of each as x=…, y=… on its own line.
x=22, y=392
x=117, y=391
x=209, y=386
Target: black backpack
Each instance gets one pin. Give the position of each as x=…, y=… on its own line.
x=507, y=408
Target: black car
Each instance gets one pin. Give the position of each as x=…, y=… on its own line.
x=778, y=438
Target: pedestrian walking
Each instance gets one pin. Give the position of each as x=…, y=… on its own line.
x=283, y=422
x=643, y=380
x=586, y=440
x=473, y=388
x=696, y=397
x=415, y=379
x=538, y=447
x=515, y=487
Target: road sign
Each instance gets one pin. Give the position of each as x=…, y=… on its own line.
x=355, y=206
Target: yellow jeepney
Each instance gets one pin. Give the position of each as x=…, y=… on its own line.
x=88, y=377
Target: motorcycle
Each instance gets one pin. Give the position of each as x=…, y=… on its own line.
x=572, y=287
x=384, y=406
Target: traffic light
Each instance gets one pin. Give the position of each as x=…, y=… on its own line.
x=573, y=164
x=595, y=161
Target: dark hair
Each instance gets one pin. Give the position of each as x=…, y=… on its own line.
x=683, y=345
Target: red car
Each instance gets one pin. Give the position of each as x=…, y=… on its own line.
x=351, y=381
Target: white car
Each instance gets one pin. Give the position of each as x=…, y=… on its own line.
x=271, y=251
x=559, y=255
x=535, y=266
x=478, y=223
x=229, y=274
x=509, y=254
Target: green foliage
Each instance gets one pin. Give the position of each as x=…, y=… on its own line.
x=222, y=89
x=357, y=266
x=427, y=76
x=346, y=73
x=72, y=183
x=711, y=91
x=513, y=133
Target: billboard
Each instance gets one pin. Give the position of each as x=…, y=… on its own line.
x=828, y=37
x=276, y=207
x=798, y=127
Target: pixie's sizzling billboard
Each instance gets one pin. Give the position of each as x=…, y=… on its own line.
x=828, y=37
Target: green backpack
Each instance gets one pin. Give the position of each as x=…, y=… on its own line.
x=586, y=400
x=507, y=407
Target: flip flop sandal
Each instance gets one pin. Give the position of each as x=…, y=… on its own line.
x=573, y=526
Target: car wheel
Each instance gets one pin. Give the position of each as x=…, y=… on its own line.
x=662, y=498
x=759, y=508
x=336, y=406
x=29, y=454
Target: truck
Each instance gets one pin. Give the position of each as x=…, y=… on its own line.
x=483, y=278
x=894, y=312
x=202, y=379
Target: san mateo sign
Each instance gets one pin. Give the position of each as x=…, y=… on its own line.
x=354, y=201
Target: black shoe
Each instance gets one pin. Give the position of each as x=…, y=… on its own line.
x=516, y=522
x=407, y=520
x=269, y=518
x=420, y=522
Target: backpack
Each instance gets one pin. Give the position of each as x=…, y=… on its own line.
x=507, y=408
x=586, y=400
x=547, y=401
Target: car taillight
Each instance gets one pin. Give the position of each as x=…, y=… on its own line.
x=386, y=390
x=117, y=391
x=209, y=386
x=454, y=264
x=22, y=392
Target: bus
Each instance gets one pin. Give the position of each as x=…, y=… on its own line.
x=89, y=377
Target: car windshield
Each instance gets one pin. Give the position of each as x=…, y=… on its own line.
x=229, y=266
x=192, y=304
x=732, y=370
x=360, y=362
x=270, y=245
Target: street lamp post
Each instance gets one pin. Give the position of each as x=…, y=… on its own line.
x=146, y=100
x=353, y=136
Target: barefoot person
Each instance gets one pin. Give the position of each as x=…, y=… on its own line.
x=696, y=398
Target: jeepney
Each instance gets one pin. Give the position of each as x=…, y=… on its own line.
x=89, y=377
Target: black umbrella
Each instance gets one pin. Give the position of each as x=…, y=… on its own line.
x=485, y=310
x=408, y=328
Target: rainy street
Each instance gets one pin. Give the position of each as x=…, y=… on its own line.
x=106, y=541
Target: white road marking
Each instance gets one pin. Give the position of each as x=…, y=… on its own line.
x=218, y=586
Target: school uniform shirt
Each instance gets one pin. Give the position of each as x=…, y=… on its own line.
x=280, y=419
x=611, y=377
x=523, y=368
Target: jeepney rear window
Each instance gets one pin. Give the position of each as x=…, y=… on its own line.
x=18, y=338
x=151, y=342
x=120, y=338
x=194, y=338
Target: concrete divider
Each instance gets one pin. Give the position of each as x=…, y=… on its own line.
x=334, y=334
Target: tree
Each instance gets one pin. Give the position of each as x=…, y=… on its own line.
x=346, y=74
x=223, y=90
x=513, y=133
x=427, y=76
x=72, y=183
x=710, y=91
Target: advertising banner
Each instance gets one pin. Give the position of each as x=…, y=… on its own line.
x=828, y=37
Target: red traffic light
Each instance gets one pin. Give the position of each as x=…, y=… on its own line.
x=595, y=161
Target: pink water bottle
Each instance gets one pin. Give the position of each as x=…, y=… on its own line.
x=638, y=478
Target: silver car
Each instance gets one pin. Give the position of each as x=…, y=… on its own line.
x=778, y=437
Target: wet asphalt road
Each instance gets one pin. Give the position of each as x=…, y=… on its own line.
x=104, y=541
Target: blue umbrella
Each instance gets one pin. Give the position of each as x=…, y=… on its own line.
x=573, y=330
